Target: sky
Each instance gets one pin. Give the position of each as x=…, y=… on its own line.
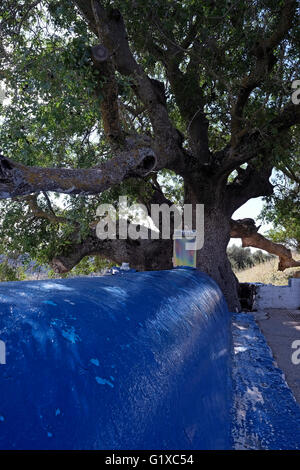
x=250, y=210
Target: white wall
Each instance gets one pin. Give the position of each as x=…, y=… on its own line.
x=269, y=296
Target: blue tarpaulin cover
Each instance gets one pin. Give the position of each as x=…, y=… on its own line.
x=133, y=361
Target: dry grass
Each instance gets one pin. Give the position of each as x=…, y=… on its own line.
x=267, y=273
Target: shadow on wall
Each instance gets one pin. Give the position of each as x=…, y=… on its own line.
x=257, y=296
x=269, y=296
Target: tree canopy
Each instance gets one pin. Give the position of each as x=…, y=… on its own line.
x=161, y=100
x=282, y=208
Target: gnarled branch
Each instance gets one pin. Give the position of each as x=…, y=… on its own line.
x=157, y=254
x=248, y=232
x=37, y=211
x=107, y=90
x=114, y=37
x=249, y=183
x=255, y=142
x=140, y=254
x=265, y=60
x=17, y=179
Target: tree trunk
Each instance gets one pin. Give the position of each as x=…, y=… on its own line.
x=212, y=258
x=157, y=254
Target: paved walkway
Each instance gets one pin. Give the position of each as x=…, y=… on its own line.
x=281, y=328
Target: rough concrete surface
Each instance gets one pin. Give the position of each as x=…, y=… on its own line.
x=281, y=328
x=265, y=412
x=269, y=296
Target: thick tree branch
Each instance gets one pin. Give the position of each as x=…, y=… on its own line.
x=249, y=183
x=157, y=254
x=17, y=179
x=107, y=90
x=140, y=254
x=259, y=141
x=254, y=180
x=150, y=92
x=190, y=101
x=265, y=60
x=37, y=211
x=248, y=232
x=185, y=86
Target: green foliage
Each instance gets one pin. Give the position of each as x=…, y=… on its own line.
x=89, y=266
x=52, y=116
x=11, y=270
x=7, y=273
x=282, y=209
x=242, y=258
x=172, y=186
x=227, y=32
x=51, y=112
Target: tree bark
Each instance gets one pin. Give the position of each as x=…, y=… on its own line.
x=212, y=258
x=142, y=255
x=205, y=172
x=247, y=231
x=17, y=179
x=147, y=255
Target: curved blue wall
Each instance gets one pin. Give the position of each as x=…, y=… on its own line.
x=133, y=361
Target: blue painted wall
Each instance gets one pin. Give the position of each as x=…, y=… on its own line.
x=133, y=361
x=265, y=413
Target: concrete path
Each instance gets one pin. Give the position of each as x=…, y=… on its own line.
x=281, y=328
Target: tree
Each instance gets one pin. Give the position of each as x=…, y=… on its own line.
x=108, y=95
x=282, y=208
x=242, y=258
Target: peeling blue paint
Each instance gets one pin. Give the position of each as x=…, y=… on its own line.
x=70, y=335
x=265, y=414
x=172, y=390
x=49, y=302
x=104, y=382
x=172, y=363
x=95, y=362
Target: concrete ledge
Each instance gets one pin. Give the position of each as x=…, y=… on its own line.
x=269, y=296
